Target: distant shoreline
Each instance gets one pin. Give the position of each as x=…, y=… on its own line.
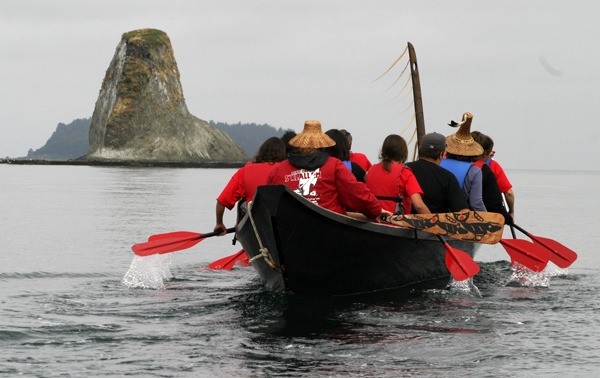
x=165, y=164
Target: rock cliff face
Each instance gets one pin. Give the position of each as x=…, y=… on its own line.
x=141, y=115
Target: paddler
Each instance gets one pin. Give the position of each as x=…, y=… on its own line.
x=322, y=179
x=244, y=182
x=461, y=152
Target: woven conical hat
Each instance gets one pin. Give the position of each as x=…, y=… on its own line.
x=312, y=137
x=462, y=143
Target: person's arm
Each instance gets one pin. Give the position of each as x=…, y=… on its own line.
x=219, y=211
x=418, y=204
x=509, y=196
x=355, y=195
x=476, y=189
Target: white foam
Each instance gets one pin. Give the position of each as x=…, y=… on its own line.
x=527, y=277
x=148, y=272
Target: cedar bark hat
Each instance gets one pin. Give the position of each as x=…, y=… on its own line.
x=462, y=143
x=312, y=137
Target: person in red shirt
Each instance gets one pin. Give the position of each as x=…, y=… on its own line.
x=391, y=181
x=503, y=183
x=356, y=157
x=322, y=179
x=244, y=182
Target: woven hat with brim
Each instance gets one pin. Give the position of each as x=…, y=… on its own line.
x=312, y=137
x=462, y=143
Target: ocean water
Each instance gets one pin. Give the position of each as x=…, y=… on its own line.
x=74, y=301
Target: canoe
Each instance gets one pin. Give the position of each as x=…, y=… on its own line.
x=299, y=247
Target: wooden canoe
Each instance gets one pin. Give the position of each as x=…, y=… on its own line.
x=299, y=247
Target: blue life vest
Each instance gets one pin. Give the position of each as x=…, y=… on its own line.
x=458, y=168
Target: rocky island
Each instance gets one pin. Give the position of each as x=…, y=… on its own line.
x=141, y=115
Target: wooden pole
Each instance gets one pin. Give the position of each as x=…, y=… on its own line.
x=414, y=70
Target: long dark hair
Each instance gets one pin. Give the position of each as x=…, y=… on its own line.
x=394, y=148
x=341, y=150
x=272, y=150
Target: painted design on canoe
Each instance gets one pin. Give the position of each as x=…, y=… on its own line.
x=473, y=226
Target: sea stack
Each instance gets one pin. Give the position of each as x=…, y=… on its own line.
x=141, y=115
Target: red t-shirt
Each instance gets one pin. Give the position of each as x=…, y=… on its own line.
x=331, y=186
x=244, y=183
x=399, y=181
x=360, y=159
x=501, y=178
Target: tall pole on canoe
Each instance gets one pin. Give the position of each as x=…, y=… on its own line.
x=418, y=101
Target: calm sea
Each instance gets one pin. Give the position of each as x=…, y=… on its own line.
x=75, y=302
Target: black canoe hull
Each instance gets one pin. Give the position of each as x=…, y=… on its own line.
x=316, y=251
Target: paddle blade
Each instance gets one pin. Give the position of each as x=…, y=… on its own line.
x=460, y=264
x=175, y=235
x=526, y=253
x=173, y=241
x=562, y=256
x=161, y=246
x=227, y=263
x=243, y=260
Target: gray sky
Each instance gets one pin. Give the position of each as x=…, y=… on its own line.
x=528, y=70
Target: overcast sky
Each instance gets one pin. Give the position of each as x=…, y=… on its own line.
x=529, y=71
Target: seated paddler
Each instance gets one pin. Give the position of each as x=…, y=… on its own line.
x=243, y=184
x=322, y=179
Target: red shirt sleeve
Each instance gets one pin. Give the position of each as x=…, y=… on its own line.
x=233, y=191
x=361, y=159
x=354, y=194
x=408, y=183
x=501, y=178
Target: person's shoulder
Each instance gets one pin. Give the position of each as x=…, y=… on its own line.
x=374, y=167
x=496, y=167
x=359, y=154
x=495, y=164
x=359, y=157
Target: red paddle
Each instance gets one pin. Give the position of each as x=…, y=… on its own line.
x=460, y=264
x=227, y=263
x=526, y=253
x=562, y=256
x=171, y=242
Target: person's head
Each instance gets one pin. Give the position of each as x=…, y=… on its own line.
x=486, y=143
x=432, y=146
x=462, y=143
x=272, y=150
x=285, y=138
x=311, y=138
x=341, y=150
x=348, y=137
x=394, y=149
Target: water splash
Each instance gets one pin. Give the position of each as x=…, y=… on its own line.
x=466, y=286
x=148, y=272
x=522, y=276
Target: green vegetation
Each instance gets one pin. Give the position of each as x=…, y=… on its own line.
x=150, y=37
x=249, y=136
x=72, y=141
x=67, y=142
